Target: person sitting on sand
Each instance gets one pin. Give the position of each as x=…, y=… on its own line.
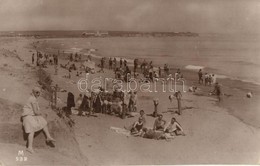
x=142, y=115
x=137, y=127
x=33, y=120
x=174, y=128
x=159, y=123
x=193, y=89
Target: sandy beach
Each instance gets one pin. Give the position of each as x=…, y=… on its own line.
x=216, y=133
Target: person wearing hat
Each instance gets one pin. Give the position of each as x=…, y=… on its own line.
x=33, y=120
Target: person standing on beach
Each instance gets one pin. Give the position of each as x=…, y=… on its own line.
x=110, y=63
x=178, y=96
x=33, y=120
x=217, y=91
x=33, y=58
x=125, y=63
x=114, y=63
x=206, y=79
x=200, y=76
x=71, y=57
x=160, y=72
x=102, y=65
x=37, y=58
x=214, y=79
x=135, y=65
x=121, y=62
x=155, y=103
x=166, y=69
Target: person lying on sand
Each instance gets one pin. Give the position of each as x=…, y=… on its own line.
x=159, y=123
x=157, y=135
x=193, y=89
x=174, y=128
x=33, y=120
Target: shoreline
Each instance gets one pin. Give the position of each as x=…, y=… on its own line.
x=235, y=88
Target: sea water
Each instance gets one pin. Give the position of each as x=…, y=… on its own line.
x=232, y=56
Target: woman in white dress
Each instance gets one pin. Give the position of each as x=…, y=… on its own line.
x=33, y=120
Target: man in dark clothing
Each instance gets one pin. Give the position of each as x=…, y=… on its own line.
x=121, y=62
x=32, y=58
x=110, y=63
x=217, y=91
x=114, y=61
x=102, y=65
x=178, y=96
x=200, y=76
x=70, y=103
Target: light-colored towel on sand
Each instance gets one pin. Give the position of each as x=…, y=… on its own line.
x=121, y=131
x=133, y=114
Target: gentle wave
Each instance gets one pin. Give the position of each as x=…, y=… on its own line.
x=245, y=81
x=219, y=76
x=193, y=67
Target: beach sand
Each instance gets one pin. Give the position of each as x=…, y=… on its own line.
x=225, y=133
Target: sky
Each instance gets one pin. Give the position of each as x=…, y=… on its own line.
x=201, y=16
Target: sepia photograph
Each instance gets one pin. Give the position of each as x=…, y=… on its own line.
x=129, y=82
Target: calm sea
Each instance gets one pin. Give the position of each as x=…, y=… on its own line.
x=233, y=56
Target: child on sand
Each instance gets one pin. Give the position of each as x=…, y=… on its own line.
x=33, y=120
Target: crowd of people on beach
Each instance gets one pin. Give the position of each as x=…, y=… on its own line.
x=207, y=79
x=99, y=101
x=119, y=103
x=43, y=60
x=161, y=129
